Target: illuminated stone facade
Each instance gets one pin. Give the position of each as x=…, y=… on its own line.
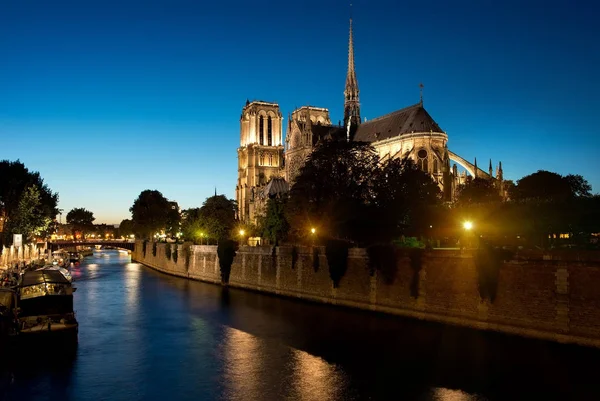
x=260, y=155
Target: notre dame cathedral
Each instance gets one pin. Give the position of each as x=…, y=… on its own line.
x=266, y=168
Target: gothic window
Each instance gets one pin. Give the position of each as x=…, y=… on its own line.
x=270, y=160
x=261, y=129
x=422, y=160
x=269, y=131
x=261, y=160
x=435, y=166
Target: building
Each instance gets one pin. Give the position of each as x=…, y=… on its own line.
x=410, y=133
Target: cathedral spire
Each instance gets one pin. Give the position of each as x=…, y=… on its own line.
x=351, y=100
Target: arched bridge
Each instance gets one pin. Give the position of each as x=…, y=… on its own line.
x=123, y=244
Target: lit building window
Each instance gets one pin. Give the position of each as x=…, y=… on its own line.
x=261, y=129
x=269, y=131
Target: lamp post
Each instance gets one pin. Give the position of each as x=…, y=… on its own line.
x=242, y=233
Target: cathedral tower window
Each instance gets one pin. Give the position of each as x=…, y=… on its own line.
x=261, y=160
x=269, y=131
x=435, y=166
x=261, y=130
x=270, y=159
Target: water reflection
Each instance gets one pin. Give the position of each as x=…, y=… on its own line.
x=446, y=394
x=242, y=365
x=315, y=379
x=132, y=286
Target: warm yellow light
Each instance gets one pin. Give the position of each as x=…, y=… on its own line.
x=467, y=225
x=313, y=230
x=242, y=232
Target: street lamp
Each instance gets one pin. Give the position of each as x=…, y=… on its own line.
x=242, y=233
x=313, y=230
x=468, y=226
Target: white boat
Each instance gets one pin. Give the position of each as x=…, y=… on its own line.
x=64, y=271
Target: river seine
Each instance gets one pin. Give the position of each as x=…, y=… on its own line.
x=148, y=336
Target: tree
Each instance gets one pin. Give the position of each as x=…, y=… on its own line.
x=173, y=226
x=345, y=191
x=217, y=215
x=192, y=226
x=273, y=225
x=478, y=190
x=29, y=218
x=331, y=191
x=150, y=213
x=548, y=186
x=406, y=197
x=126, y=228
x=579, y=186
x=81, y=220
x=15, y=179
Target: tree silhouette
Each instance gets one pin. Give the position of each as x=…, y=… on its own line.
x=150, y=213
x=81, y=220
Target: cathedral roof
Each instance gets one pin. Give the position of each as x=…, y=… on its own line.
x=326, y=132
x=404, y=121
x=276, y=187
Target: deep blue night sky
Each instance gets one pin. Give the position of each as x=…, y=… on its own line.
x=108, y=98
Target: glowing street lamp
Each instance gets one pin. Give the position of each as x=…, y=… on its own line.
x=467, y=225
x=242, y=232
x=313, y=230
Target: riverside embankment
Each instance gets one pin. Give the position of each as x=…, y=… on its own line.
x=545, y=296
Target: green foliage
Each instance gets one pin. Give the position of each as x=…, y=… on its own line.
x=168, y=251
x=337, y=259
x=546, y=186
x=345, y=191
x=382, y=258
x=478, y=190
x=81, y=220
x=29, y=219
x=175, y=254
x=217, y=215
x=144, y=246
x=274, y=225
x=150, y=212
x=192, y=226
x=15, y=180
x=406, y=199
x=126, y=228
x=154, y=246
x=409, y=242
x=226, y=250
x=173, y=224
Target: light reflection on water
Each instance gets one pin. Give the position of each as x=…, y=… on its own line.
x=315, y=379
x=446, y=394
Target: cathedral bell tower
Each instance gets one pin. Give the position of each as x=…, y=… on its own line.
x=260, y=155
x=351, y=101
